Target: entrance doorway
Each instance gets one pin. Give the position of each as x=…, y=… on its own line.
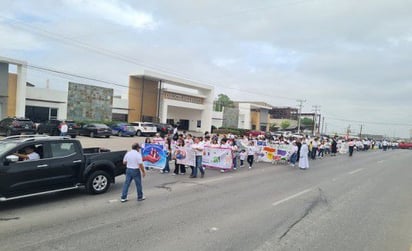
x=183, y=124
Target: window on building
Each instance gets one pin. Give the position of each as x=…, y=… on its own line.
x=199, y=124
x=53, y=113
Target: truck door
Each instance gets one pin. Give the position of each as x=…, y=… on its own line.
x=65, y=163
x=24, y=176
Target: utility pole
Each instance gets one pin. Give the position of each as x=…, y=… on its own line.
x=323, y=125
x=300, y=101
x=360, y=133
x=316, y=108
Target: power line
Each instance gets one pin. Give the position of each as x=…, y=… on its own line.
x=370, y=122
x=115, y=55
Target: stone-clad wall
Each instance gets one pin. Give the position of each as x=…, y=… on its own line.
x=86, y=102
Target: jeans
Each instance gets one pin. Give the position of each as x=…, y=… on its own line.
x=167, y=167
x=313, y=153
x=132, y=174
x=198, y=165
x=235, y=161
x=293, y=158
x=250, y=159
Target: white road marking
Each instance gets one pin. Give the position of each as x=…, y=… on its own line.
x=291, y=197
x=355, y=171
x=213, y=229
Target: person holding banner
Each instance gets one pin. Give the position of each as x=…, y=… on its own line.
x=168, y=150
x=294, y=154
x=198, y=147
x=304, y=156
x=181, y=167
x=225, y=144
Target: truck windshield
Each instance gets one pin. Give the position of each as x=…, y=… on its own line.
x=6, y=146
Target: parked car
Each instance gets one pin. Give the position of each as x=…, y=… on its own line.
x=62, y=165
x=51, y=127
x=123, y=129
x=405, y=145
x=163, y=129
x=14, y=126
x=144, y=128
x=96, y=130
x=255, y=133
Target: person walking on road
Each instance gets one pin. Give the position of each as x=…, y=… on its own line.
x=304, y=157
x=334, y=147
x=198, y=147
x=134, y=171
x=63, y=128
x=351, y=147
x=251, y=151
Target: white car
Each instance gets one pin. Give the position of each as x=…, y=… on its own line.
x=144, y=128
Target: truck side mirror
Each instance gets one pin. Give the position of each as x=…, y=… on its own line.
x=12, y=158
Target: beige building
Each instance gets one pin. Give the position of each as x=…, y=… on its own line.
x=155, y=96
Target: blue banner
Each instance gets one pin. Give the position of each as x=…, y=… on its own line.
x=154, y=156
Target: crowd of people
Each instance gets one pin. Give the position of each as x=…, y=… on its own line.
x=245, y=150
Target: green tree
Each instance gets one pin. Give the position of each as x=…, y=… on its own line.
x=273, y=127
x=222, y=101
x=306, y=122
x=285, y=124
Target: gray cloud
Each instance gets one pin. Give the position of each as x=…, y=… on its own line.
x=351, y=57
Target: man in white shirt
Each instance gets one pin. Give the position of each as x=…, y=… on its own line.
x=29, y=154
x=134, y=171
x=63, y=128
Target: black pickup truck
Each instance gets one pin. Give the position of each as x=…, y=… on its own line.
x=51, y=127
x=59, y=163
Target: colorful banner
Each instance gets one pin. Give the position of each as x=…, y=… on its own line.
x=154, y=156
x=221, y=158
x=184, y=155
x=268, y=154
x=274, y=152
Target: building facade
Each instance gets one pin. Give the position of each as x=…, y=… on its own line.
x=167, y=99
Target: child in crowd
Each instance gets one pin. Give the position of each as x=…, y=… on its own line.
x=242, y=157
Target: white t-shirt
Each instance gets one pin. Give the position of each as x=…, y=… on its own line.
x=64, y=128
x=198, y=148
x=33, y=156
x=133, y=159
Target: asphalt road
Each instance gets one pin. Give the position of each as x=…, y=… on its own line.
x=340, y=203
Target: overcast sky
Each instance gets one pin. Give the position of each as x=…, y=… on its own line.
x=352, y=58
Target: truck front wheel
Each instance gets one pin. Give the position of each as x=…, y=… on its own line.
x=98, y=182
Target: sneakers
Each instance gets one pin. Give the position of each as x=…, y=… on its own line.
x=174, y=174
x=242, y=165
x=182, y=173
x=235, y=168
x=250, y=167
x=222, y=171
x=192, y=176
x=141, y=199
x=202, y=175
x=123, y=200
